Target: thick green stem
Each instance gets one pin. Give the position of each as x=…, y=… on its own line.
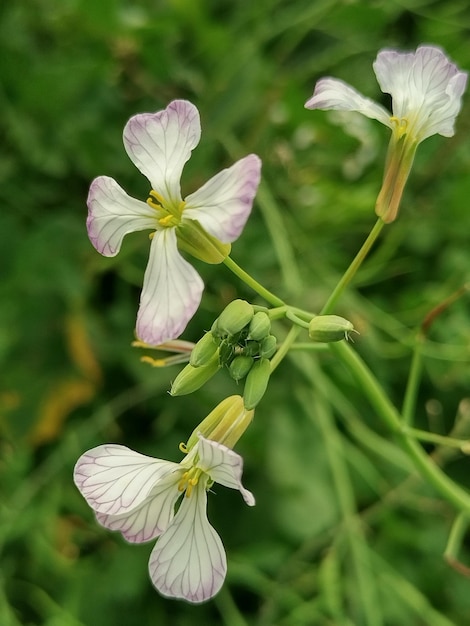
x=391, y=418
x=352, y=269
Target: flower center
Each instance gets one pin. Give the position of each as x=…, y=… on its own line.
x=401, y=126
x=169, y=213
x=189, y=480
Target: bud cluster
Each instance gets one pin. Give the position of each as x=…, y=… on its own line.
x=240, y=340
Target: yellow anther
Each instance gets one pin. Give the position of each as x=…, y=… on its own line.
x=168, y=220
x=183, y=448
x=153, y=362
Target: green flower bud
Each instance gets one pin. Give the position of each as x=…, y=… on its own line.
x=268, y=346
x=192, y=378
x=192, y=238
x=240, y=366
x=328, y=328
x=203, y=351
x=256, y=383
x=259, y=327
x=235, y=317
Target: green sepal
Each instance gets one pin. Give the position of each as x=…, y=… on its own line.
x=193, y=378
x=235, y=317
x=204, y=350
x=194, y=240
x=259, y=327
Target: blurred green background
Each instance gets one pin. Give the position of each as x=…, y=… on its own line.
x=344, y=532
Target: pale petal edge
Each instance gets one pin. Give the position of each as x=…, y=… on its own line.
x=112, y=214
x=116, y=480
x=160, y=144
x=223, y=204
x=188, y=561
x=335, y=94
x=171, y=292
x=224, y=466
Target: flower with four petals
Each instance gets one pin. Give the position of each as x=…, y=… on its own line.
x=426, y=90
x=137, y=495
x=159, y=144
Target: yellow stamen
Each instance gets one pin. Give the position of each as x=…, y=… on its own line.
x=153, y=362
x=183, y=448
x=168, y=220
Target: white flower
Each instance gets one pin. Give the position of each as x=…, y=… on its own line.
x=159, y=144
x=137, y=494
x=426, y=90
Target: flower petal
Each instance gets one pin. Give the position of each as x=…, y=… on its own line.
x=151, y=518
x=223, y=205
x=112, y=214
x=332, y=93
x=189, y=559
x=223, y=465
x=171, y=292
x=115, y=480
x=159, y=144
x=424, y=83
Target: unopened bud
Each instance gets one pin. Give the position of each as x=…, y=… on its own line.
x=192, y=378
x=329, y=328
x=259, y=327
x=256, y=383
x=268, y=346
x=203, y=351
x=225, y=424
x=235, y=317
x=240, y=366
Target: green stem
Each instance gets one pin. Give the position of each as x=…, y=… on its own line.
x=390, y=416
x=284, y=347
x=457, y=534
x=440, y=440
x=251, y=282
x=414, y=377
x=352, y=269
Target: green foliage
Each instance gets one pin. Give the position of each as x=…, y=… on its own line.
x=344, y=532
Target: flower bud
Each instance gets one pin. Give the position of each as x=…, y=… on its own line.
x=268, y=346
x=192, y=238
x=192, y=378
x=225, y=424
x=240, y=366
x=256, y=383
x=259, y=327
x=328, y=328
x=203, y=351
x=235, y=317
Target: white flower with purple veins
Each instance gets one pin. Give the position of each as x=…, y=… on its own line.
x=137, y=494
x=204, y=223
x=426, y=90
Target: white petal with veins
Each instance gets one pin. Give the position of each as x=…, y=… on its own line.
x=115, y=480
x=171, y=292
x=223, y=205
x=189, y=559
x=112, y=214
x=159, y=144
x=332, y=93
x=223, y=465
x=152, y=517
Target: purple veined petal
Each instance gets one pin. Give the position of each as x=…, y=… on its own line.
x=223, y=205
x=115, y=480
x=159, y=144
x=426, y=88
x=152, y=517
x=112, y=214
x=334, y=94
x=189, y=559
x=171, y=292
x=224, y=466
